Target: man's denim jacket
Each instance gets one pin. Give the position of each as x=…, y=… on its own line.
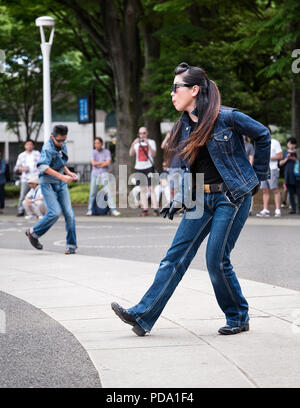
x=53, y=158
x=227, y=150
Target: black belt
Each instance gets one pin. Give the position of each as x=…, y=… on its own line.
x=215, y=188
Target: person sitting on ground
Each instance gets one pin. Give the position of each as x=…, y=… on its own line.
x=34, y=204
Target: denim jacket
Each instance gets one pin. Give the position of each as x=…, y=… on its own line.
x=53, y=158
x=227, y=150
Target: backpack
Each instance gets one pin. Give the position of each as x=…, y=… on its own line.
x=297, y=169
x=101, y=199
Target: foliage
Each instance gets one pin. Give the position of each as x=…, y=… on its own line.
x=245, y=46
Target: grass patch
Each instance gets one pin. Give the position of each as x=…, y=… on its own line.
x=12, y=191
x=79, y=193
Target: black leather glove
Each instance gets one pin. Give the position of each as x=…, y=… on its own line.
x=255, y=189
x=172, y=208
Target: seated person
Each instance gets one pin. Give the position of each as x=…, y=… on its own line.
x=34, y=201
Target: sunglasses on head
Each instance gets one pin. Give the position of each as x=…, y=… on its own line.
x=175, y=86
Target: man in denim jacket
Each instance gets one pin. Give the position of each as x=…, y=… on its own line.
x=54, y=179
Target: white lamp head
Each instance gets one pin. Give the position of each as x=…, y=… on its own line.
x=45, y=21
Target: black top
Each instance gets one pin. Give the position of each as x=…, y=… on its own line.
x=204, y=164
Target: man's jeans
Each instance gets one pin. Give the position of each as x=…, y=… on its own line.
x=57, y=199
x=95, y=182
x=223, y=220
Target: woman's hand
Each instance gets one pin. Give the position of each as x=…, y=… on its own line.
x=171, y=209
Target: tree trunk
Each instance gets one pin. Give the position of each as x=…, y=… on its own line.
x=151, y=52
x=122, y=41
x=295, y=120
x=296, y=109
x=113, y=31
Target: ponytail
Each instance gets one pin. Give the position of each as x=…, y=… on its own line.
x=207, y=116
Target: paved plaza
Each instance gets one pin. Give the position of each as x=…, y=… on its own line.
x=50, y=298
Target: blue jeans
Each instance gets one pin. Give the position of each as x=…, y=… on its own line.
x=95, y=182
x=294, y=189
x=223, y=219
x=57, y=199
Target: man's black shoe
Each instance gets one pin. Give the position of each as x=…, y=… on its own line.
x=34, y=241
x=233, y=329
x=21, y=214
x=126, y=317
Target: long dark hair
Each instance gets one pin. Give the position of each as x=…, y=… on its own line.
x=208, y=102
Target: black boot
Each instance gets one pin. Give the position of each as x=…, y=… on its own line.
x=126, y=317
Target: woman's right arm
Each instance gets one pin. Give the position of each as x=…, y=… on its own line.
x=260, y=135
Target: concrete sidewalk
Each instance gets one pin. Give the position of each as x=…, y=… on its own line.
x=184, y=348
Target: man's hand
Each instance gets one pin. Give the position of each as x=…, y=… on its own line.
x=67, y=179
x=172, y=208
x=73, y=175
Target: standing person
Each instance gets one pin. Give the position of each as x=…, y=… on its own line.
x=272, y=182
x=54, y=179
x=27, y=165
x=145, y=150
x=291, y=181
x=100, y=161
x=213, y=137
x=34, y=204
x=2, y=182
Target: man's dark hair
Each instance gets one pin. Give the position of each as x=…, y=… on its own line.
x=60, y=130
x=100, y=139
x=292, y=140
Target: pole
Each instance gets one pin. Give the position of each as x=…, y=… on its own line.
x=49, y=22
x=46, y=48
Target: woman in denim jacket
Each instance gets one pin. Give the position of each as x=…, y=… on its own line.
x=208, y=138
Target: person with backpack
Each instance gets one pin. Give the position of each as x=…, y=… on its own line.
x=291, y=176
x=207, y=139
x=100, y=161
x=144, y=150
x=2, y=182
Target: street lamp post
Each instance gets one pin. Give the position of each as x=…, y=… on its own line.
x=42, y=22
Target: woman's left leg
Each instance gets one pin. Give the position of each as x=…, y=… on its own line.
x=227, y=224
x=190, y=234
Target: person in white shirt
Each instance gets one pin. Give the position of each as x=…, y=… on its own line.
x=26, y=165
x=145, y=150
x=34, y=204
x=272, y=183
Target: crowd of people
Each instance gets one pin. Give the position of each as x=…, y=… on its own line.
x=31, y=202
